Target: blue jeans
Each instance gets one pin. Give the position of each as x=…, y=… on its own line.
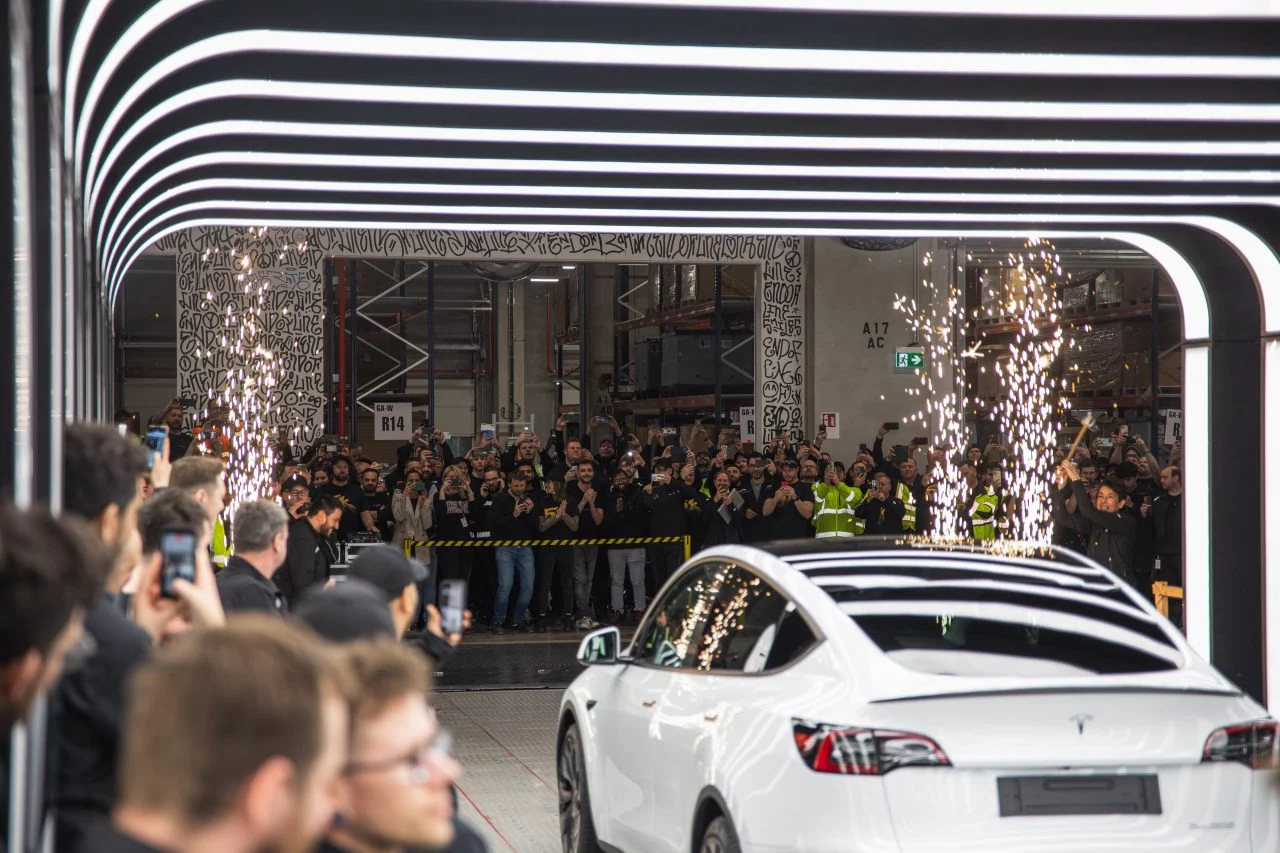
x=508, y=560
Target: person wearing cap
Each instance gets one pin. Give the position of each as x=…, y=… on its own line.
x=295, y=495
x=790, y=507
x=307, y=561
x=354, y=615
x=396, y=580
x=881, y=511
x=356, y=514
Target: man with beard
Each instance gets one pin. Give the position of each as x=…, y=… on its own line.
x=755, y=491
x=307, y=559
x=191, y=783
x=204, y=478
x=378, y=501
x=179, y=439
x=356, y=514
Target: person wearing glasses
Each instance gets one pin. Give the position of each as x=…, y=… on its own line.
x=395, y=789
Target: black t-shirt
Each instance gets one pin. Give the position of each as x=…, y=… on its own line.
x=353, y=501
x=546, y=507
x=787, y=522
x=380, y=504
x=587, y=527
x=455, y=516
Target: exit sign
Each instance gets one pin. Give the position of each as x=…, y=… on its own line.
x=908, y=358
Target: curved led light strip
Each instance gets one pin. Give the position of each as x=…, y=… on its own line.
x=512, y=98
x=1157, y=9
x=332, y=130
x=636, y=55
x=615, y=192
x=329, y=131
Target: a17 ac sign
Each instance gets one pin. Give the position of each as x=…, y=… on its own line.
x=392, y=421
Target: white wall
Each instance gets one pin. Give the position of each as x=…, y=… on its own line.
x=854, y=330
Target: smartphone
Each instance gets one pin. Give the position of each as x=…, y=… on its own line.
x=123, y=429
x=656, y=479
x=333, y=448
x=487, y=432
x=178, y=558
x=922, y=441
x=154, y=441
x=601, y=420
x=864, y=448
x=453, y=603
x=890, y=426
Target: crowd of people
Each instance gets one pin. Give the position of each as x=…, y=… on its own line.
x=645, y=499
x=191, y=710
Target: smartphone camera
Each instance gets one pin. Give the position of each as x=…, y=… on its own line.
x=453, y=603
x=154, y=442
x=178, y=558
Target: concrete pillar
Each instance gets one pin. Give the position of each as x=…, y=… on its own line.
x=853, y=333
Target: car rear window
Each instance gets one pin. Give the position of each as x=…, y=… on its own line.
x=976, y=647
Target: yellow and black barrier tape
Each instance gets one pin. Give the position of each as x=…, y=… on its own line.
x=410, y=544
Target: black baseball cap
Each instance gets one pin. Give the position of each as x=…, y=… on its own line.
x=387, y=569
x=350, y=611
x=293, y=482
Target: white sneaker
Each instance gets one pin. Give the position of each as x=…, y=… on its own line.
x=586, y=623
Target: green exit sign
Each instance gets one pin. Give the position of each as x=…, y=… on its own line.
x=908, y=358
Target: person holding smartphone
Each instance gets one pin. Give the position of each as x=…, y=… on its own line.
x=665, y=497
x=511, y=517
x=455, y=511
x=881, y=511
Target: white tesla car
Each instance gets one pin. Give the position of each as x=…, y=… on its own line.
x=887, y=696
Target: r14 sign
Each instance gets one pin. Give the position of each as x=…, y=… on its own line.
x=392, y=421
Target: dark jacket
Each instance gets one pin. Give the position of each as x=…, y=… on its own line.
x=243, y=588
x=1167, y=513
x=307, y=563
x=718, y=530
x=89, y=705
x=666, y=508
x=755, y=524
x=625, y=514
x=1112, y=537
x=505, y=524
x=883, y=516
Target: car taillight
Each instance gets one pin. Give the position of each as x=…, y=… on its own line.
x=1253, y=744
x=856, y=751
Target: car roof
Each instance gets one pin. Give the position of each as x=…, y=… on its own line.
x=885, y=572
x=790, y=549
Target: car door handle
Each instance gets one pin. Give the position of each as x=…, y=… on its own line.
x=650, y=703
x=711, y=718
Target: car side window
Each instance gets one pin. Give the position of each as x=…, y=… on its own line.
x=724, y=618
x=674, y=631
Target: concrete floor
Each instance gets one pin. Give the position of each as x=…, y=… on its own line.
x=505, y=741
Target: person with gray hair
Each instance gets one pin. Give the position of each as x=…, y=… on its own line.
x=261, y=544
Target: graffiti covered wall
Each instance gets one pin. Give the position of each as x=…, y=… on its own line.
x=296, y=329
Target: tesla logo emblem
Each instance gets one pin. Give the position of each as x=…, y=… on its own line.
x=1080, y=720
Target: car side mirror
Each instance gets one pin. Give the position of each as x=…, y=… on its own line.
x=600, y=647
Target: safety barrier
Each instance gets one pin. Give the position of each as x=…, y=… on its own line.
x=609, y=542
x=1162, y=592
